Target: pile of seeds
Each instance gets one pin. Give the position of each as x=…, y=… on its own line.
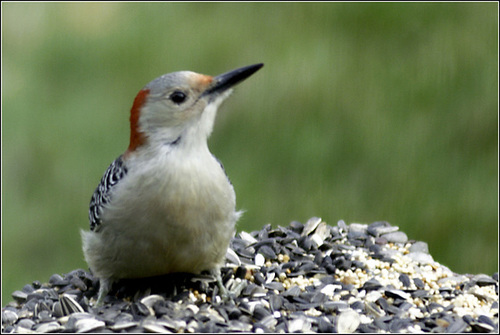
x=304, y=278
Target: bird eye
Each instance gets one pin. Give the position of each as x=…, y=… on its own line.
x=178, y=97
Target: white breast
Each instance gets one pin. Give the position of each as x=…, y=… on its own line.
x=173, y=214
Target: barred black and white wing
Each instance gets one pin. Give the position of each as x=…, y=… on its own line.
x=102, y=194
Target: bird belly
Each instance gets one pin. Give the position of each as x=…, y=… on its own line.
x=165, y=222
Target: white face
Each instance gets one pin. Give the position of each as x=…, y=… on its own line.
x=181, y=107
x=178, y=105
x=175, y=99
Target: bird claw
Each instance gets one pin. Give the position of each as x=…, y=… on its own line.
x=224, y=294
x=104, y=287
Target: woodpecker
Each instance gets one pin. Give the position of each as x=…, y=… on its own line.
x=165, y=205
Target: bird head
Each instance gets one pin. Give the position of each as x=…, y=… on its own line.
x=181, y=106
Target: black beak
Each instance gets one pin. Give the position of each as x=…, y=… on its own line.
x=226, y=80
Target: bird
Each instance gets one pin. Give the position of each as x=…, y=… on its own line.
x=166, y=204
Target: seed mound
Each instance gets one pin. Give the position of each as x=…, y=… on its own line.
x=309, y=277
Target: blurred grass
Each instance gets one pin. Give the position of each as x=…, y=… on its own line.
x=363, y=112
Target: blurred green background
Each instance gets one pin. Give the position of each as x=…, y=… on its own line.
x=362, y=112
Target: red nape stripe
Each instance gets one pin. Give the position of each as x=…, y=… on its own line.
x=136, y=137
